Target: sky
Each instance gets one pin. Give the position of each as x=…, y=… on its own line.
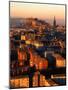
x=42, y=11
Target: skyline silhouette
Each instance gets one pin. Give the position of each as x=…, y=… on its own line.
x=42, y=11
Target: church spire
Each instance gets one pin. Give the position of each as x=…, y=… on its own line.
x=54, y=23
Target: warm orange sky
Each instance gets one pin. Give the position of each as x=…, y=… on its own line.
x=44, y=11
x=36, y=10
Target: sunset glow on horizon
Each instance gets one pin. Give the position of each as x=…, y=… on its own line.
x=42, y=11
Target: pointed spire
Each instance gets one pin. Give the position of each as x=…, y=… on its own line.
x=54, y=23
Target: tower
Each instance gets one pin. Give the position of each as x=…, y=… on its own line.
x=54, y=23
